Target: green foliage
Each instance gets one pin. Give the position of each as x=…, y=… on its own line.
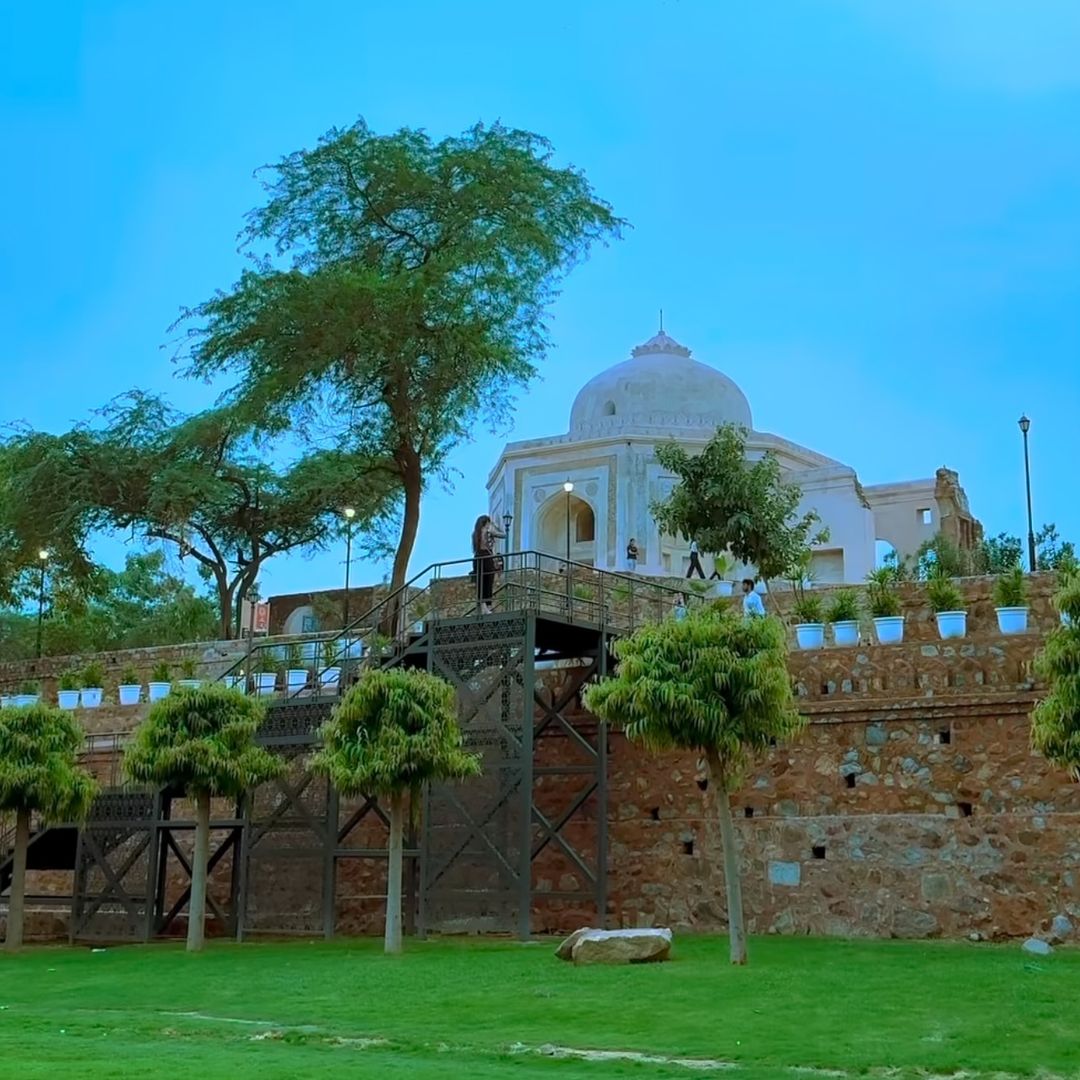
x=93, y=675
x=943, y=557
x=809, y=608
x=294, y=656
x=1055, y=723
x=161, y=673
x=998, y=554
x=712, y=682
x=1051, y=552
x=39, y=770
x=584, y=592
x=130, y=676
x=70, y=680
x=188, y=668
x=729, y=504
x=203, y=742
x=29, y=686
x=843, y=607
x=882, y=593
x=266, y=663
x=399, y=293
x=943, y=594
x=1010, y=589
x=394, y=731
x=331, y=653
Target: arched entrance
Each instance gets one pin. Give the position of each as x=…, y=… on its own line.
x=550, y=533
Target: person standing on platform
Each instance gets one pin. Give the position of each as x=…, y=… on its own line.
x=631, y=555
x=486, y=563
x=695, y=562
x=752, y=607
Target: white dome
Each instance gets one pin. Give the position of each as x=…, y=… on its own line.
x=661, y=388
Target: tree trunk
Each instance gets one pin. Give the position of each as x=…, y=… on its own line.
x=16, y=902
x=732, y=873
x=225, y=607
x=413, y=483
x=197, y=906
x=393, y=874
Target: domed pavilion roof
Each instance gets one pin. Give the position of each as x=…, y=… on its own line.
x=660, y=388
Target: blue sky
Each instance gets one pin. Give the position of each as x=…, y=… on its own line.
x=866, y=213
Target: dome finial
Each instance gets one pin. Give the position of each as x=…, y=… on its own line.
x=660, y=344
x=661, y=320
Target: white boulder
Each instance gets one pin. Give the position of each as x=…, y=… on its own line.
x=642, y=946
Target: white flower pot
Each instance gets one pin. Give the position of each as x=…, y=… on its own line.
x=846, y=632
x=130, y=693
x=159, y=690
x=951, y=624
x=723, y=588
x=265, y=683
x=330, y=677
x=810, y=635
x=22, y=700
x=191, y=684
x=297, y=679
x=889, y=629
x=90, y=697
x=1012, y=620
x=351, y=649
x=234, y=682
x=67, y=699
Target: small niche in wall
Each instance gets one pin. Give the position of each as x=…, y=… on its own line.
x=703, y=784
x=654, y=813
x=965, y=809
x=944, y=736
x=849, y=779
x=688, y=847
x=818, y=851
x=748, y=811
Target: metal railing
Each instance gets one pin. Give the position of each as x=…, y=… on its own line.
x=321, y=664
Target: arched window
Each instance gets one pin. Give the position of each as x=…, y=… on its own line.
x=584, y=523
x=609, y=408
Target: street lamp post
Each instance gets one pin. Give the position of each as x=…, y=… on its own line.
x=1025, y=427
x=568, y=487
x=508, y=520
x=349, y=513
x=43, y=558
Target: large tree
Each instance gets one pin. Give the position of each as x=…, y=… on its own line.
x=399, y=293
x=201, y=742
x=729, y=504
x=391, y=734
x=39, y=774
x=715, y=684
x=1055, y=723
x=205, y=483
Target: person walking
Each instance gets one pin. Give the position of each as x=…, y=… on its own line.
x=695, y=562
x=485, y=561
x=631, y=555
x=752, y=607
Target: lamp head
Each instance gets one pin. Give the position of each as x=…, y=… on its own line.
x=1024, y=423
x=349, y=513
x=568, y=487
x=43, y=555
x=508, y=520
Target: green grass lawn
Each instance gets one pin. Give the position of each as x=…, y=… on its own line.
x=469, y=1008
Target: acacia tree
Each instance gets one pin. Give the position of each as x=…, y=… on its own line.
x=729, y=504
x=39, y=773
x=393, y=732
x=1055, y=722
x=715, y=684
x=399, y=293
x=201, y=741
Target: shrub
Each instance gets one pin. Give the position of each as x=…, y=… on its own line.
x=93, y=675
x=809, y=609
x=70, y=680
x=188, y=668
x=882, y=597
x=130, y=677
x=1010, y=589
x=943, y=594
x=161, y=673
x=844, y=607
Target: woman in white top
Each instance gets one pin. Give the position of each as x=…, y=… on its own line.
x=485, y=533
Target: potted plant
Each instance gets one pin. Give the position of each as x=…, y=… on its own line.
x=883, y=600
x=130, y=686
x=1010, y=601
x=296, y=676
x=266, y=673
x=234, y=680
x=29, y=693
x=843, y=613
x=722, y=586
x=947, y=603
x=160, y=681
x=809, y=621
x=330, y=675
x=67, y=694
x=420, y=609
x=93, y=685
x=188, y=671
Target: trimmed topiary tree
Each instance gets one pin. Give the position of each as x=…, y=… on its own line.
x=201, y=741
x=1055, y=722
x=393, y=732
x=39, y=773
x=713, y=683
